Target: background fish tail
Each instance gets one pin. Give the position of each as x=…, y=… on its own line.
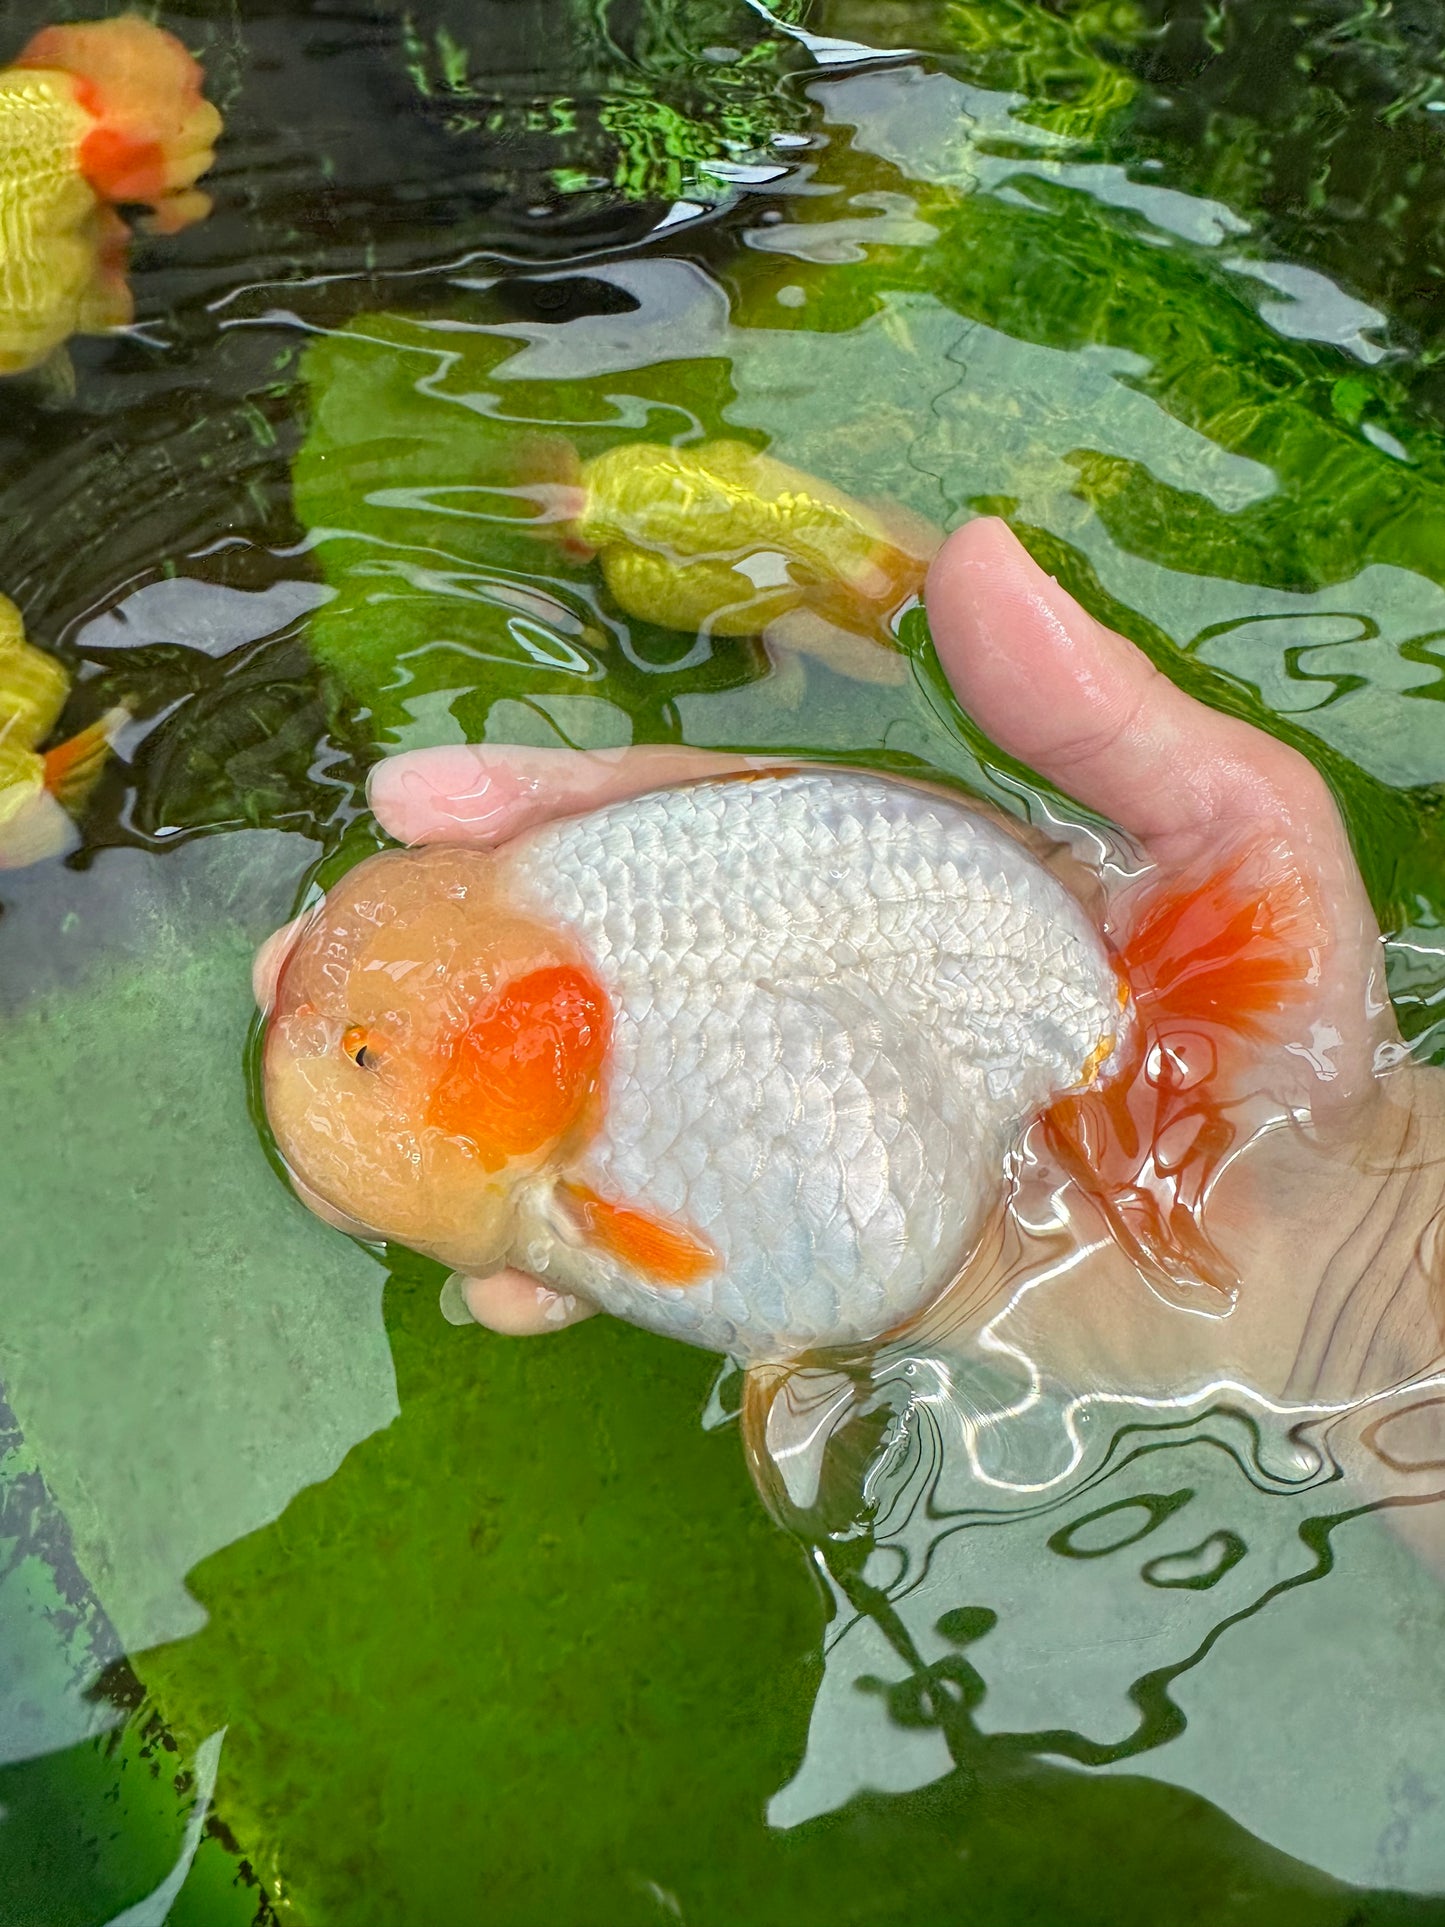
x=72, y=768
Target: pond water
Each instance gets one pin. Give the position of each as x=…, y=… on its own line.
x=316, y=1608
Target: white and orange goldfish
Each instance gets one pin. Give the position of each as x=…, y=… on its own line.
x=40, y=789
x=745, y=1061
x=722, y=540
x=92, y=116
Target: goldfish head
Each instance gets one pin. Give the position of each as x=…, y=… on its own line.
x=432, y=1056
x=153, y=133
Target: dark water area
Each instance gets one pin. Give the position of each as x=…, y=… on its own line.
x=317, y=1609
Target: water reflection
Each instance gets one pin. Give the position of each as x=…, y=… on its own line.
x=1038, y=1533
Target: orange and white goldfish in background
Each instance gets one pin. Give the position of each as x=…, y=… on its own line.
x=746, y=1061
x=723, y=540
x=40, y=789
x=92, y=116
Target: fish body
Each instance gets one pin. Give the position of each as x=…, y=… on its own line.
x=40, y=788
x=722, y=540
x=33, y=685
x=58, y=277
x=820, y=1008
x=90, y=116
x=835, y=1003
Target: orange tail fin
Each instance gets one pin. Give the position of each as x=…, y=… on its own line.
x=154, y=133
x=811, y=1435
x=1214, y=962
x=73, y=768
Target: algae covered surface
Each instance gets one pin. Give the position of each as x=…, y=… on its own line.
x=319, y=1609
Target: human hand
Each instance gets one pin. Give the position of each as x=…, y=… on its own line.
x=1326, y=1219
x=1333, y=1218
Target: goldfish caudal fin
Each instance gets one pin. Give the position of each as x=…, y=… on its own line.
x=33, y=826
x=73, y=767
x=549, y=472
x=814, y=1433
x=1213, y=964
x=154, y=133
x=39, y=793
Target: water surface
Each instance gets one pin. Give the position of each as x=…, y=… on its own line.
x=318, y=1608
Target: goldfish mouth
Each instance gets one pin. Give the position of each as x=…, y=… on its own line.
x=332, y=1214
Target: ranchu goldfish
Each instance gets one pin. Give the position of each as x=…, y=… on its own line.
x=38, y=790
x=722, y=540
x=91, y=116
x=746, y=1061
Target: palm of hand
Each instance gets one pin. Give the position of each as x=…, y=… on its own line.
x=1327, y=1217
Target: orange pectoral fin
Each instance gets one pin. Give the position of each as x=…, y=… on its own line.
x=522, y=1071
x=669, y=1254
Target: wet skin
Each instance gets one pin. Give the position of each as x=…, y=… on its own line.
x=1333, y=1221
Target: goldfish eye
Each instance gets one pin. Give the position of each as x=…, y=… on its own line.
x=361, y=1046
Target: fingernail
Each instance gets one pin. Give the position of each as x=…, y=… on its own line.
x=428, y=772
x=453, y=1300
x=407, y=793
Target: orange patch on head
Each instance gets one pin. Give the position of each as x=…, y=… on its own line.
x=671, y=1254
x=154, y=132
x=122, y=168
x=523, y=1069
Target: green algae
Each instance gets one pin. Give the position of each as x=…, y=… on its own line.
x=536, y=1654
x=570, y=1655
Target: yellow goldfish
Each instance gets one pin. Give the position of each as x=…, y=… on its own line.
x=91, y=115
x=39, y=789
x=723, y=540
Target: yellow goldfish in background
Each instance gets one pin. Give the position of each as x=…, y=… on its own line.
x=39, y=790
x=91, y=115
x=722, y=540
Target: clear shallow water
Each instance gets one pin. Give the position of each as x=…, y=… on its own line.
x=502, y=1632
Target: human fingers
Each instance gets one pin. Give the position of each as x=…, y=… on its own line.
x=1084, y=707
x=513, y=1303
x=1087, y=709
x=483, y=793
